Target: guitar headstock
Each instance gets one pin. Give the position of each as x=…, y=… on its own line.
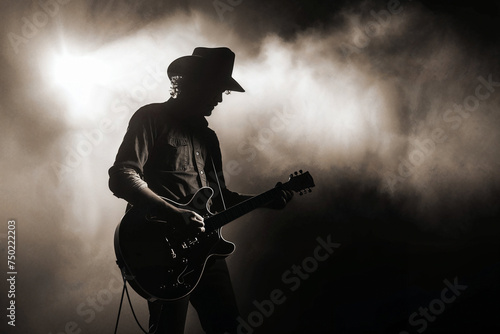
x=300, y=182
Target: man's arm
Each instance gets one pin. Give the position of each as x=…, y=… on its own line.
x=143, y=196
x=126, y=183
x=125, y=179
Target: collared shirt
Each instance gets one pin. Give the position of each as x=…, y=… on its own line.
x=171, y=154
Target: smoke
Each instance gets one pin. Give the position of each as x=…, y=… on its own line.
x=381, y=103
x=398, y=98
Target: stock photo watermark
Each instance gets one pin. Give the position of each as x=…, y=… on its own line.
x=223, y=6
x=448, y=295
x=454, y=118
x=11, y=272
x=89, y=309
x=249, y=148
x=364, y=33
x=31, y=25
x=293, y=279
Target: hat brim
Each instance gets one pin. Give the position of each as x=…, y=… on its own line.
x=233, y=85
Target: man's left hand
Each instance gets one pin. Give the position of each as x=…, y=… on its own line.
x=281, y=200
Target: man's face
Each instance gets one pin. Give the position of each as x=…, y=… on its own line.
x=202, y=99
x=208, y=100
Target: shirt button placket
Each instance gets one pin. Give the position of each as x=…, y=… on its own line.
x=200, y=165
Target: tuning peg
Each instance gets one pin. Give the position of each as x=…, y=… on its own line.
x=300, y=171
x=301, y=193
x=291, y=175
x=296, y=173
x=309, y=190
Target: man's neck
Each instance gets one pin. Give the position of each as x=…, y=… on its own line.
x=187, y=113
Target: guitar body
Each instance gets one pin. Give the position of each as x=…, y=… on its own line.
x=161, y=262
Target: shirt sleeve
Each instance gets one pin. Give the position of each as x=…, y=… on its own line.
x=126, y=176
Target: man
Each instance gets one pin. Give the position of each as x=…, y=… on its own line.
x=168, y=150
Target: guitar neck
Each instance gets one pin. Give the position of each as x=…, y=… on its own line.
x=220, y=219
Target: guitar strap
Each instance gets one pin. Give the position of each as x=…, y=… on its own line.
x=218, y=183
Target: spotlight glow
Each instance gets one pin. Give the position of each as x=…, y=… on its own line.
x=81, y=71
x=81, y=78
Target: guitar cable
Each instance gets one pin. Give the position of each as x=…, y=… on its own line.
x=125, y=290
x=120, y=308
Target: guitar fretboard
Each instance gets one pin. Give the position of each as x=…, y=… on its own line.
x=222, y=218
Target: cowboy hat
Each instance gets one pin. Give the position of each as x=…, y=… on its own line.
x=212, y=64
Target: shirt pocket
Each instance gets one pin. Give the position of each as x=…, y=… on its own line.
x=176, y=155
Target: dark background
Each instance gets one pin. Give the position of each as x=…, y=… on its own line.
x=356, y=106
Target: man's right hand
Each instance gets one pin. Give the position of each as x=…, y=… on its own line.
x=178, y=217
x=161, y=210
x=191, y=219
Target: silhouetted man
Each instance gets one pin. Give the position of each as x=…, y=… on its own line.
x=169, y=151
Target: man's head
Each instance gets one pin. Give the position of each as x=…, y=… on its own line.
x=202, y=77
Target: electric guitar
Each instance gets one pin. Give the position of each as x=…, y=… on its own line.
x=161, y=262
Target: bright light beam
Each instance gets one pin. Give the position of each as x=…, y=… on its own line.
x=80, y=77
x=83, y=70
